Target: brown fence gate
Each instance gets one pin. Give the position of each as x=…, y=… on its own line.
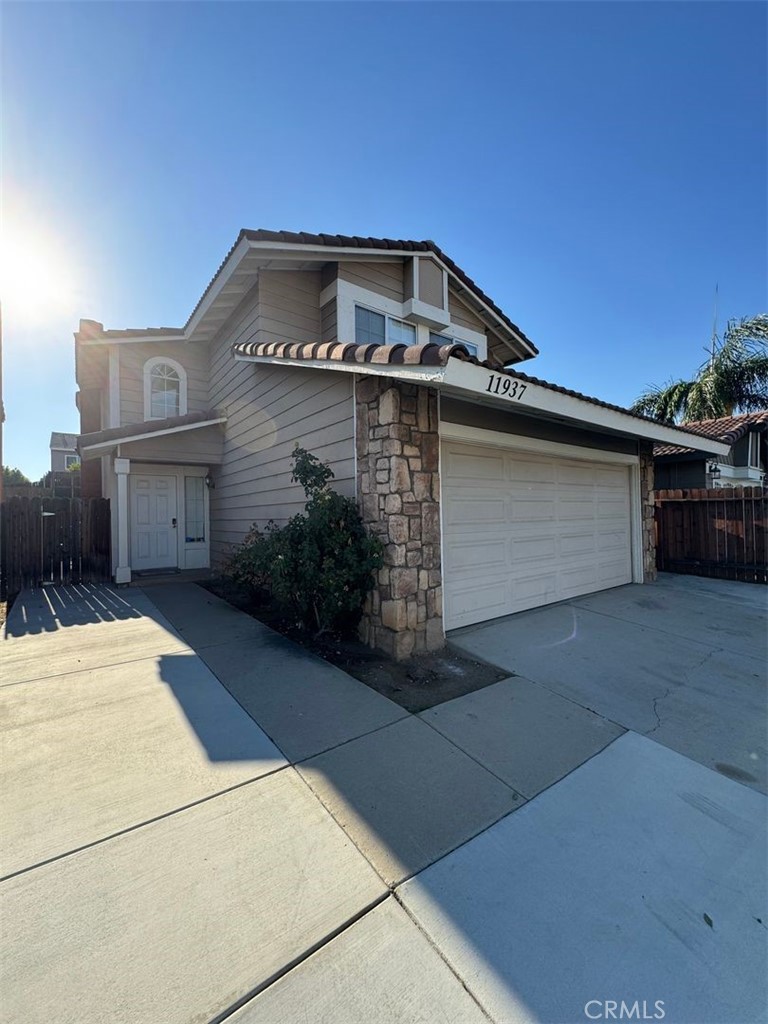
x=53, y=540
x=719, y=533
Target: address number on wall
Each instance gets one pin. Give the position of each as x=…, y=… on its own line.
x=509, y=387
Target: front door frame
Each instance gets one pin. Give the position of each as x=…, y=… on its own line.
x=192, y=555
x=195, y=555
x=173, y=554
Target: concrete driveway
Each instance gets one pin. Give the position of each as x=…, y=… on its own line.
x=682, y=661
x=202, y=822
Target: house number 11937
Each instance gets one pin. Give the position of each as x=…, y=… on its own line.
x=508, y=386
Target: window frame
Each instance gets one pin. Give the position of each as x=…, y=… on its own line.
x=387, y=318
x=201, y=498
x=149, y=366
x=71, y=460
x=450, y=339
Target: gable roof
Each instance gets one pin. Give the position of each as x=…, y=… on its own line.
x=429, y=355
x=361, y=242
x=61, y=441
x=251, y=239
x=728, y=429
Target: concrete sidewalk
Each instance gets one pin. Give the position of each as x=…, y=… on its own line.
x=276, y=839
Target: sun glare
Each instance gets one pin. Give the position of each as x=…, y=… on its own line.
x=37, y=275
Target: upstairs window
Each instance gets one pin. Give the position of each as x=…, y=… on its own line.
x=444, y=339
x=376, y=329
x=165, y=389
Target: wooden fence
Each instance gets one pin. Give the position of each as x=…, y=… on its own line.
x=53, y=540
x=722, y=533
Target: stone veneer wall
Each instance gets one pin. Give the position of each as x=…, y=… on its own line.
x=398, y=486
x=648, y=513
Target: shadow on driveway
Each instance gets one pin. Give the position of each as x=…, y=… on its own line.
x=48, y=609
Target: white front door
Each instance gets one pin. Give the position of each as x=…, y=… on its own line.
x=154, y=533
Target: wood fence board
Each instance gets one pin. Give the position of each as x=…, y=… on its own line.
x=71, y=544
x=721, y=533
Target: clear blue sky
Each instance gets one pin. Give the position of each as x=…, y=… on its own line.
x=596, y=167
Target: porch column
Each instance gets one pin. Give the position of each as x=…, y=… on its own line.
x=398, y=485
x=123, y=570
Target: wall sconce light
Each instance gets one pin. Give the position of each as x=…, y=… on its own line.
x=210, y=483
x=713, y=469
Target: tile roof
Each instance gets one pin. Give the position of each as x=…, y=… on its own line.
x=146, y=427
x=60, y=440
x=415, y=355
x=360, y=242
x=93, y=329
x=728, y=429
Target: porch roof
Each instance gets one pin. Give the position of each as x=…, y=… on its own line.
x=452, y=369
x=99, y=442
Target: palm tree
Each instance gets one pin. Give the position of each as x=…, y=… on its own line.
x=733, y=379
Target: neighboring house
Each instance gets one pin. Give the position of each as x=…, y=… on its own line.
x=63, y=451
x=744, y=464
x=491, y=490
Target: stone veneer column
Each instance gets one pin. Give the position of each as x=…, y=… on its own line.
x=648, y=513
x=398, y=487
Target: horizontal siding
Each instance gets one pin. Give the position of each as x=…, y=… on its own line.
x=270, y=409
x=194, y=359
x=195, y=447
x=383, y=278
x=92, y=366
x=462, y=315
x=328, y=322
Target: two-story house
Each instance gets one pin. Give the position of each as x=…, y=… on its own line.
x=745, y=465
x=63, y=451
x=491, y=490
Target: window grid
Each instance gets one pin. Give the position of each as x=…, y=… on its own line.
x=194, y=509
x=373, y=328
x=444, y=339
x=165, y=388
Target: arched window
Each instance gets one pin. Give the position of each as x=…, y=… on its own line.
x=165, y=389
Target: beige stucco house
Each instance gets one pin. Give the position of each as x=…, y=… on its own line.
x=491, y=490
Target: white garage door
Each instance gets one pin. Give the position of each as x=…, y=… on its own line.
x=525, y=529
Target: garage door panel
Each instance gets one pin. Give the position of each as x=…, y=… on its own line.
x=471, y=553
x=533, y=510
x=575, y=544
x=489, y=603
x=616, y=541
x=466, y=467
x=477, y=511
x=541, y=529
x=533, y=590
x=575, y=473
x=532, y=549
x=530, y=472
x=611, y=476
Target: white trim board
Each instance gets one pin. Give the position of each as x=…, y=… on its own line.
x=465, y=379
x=116, y=441
x=348, y=295
x=415, y=374
x=500, y=439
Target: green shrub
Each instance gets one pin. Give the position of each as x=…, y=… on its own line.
x=320, y=566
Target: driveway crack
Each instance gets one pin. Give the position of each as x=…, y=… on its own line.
x=656, y=709
x=685, y=678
